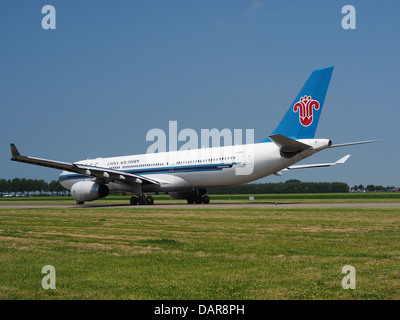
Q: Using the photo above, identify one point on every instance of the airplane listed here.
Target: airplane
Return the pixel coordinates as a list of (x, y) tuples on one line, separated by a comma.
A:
[(186, 174)]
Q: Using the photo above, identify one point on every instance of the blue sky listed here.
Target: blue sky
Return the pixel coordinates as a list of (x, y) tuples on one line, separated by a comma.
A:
[(113, 70)]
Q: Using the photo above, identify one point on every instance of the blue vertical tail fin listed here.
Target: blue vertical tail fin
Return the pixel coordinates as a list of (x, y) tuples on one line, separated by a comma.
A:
[(301, 120)]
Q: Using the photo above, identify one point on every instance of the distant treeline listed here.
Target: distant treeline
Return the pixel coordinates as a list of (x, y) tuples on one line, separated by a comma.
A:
[(296, 186), (32, 186), (29, 186), (290, 186)]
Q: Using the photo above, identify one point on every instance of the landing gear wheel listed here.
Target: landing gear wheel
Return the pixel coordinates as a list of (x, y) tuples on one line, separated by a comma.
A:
[(141, 200), (134, 200), (190, 200), (198, 199), (149, 200), (79, 202), (205, 199)]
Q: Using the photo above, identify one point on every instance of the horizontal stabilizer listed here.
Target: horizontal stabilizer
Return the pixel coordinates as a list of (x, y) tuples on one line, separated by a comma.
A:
[(288, 145), (353, 143), (318, 165), (342, 160)]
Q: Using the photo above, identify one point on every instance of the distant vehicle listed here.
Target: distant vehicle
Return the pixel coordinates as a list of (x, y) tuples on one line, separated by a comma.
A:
[(186, 174)]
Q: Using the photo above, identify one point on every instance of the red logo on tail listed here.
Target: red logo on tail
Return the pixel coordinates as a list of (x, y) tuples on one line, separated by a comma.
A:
[(306, 107)]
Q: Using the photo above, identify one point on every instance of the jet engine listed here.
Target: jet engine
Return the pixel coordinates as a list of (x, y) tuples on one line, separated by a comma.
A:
[(88, 191)]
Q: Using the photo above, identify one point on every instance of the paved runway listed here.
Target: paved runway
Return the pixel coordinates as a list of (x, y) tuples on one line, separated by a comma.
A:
[(215, 205)]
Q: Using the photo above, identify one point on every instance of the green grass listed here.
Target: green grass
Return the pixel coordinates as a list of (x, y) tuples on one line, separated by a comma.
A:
[(199, 253)]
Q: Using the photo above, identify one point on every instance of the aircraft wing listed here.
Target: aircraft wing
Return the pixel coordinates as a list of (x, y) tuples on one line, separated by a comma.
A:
[(340, 161), (104, 174)]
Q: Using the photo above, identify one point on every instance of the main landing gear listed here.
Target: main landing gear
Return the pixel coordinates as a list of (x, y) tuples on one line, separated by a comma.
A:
[(142, 200), (198, 196), (198, 199)]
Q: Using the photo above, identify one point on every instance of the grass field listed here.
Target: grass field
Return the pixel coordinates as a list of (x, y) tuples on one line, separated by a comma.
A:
[(200, 253)]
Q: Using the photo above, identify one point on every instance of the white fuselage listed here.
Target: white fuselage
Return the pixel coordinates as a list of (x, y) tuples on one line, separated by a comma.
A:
[(207, 167)]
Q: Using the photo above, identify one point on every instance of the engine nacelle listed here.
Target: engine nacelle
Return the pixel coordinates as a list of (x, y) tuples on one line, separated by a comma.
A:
[(88, 191)]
